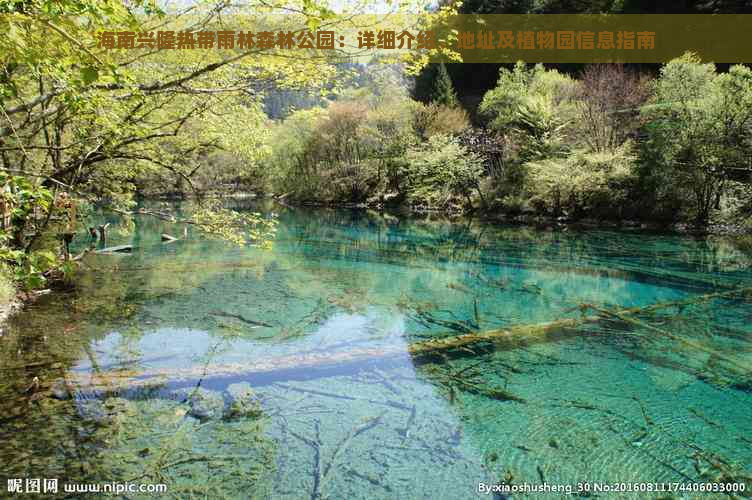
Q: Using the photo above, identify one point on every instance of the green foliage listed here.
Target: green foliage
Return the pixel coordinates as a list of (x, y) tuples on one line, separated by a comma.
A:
[(555, 144), (25, 208), (570, 144), (106, 123), (346, 152), (533, 106), (110, 123), (23, 197), (28, 269), (582, 181), (440, 171), (364, 149), (442, 91), (288, 162), (699, 133)]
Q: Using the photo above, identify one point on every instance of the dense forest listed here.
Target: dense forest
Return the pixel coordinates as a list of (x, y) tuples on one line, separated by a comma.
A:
[(82, 127)]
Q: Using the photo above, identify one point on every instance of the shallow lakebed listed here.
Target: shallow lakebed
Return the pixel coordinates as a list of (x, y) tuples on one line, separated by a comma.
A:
[(329, 367)]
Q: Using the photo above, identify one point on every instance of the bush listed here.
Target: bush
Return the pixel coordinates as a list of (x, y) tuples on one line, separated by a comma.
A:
[(344, 153), (441, 171), (581, 181), (532, 106), (433, 119)]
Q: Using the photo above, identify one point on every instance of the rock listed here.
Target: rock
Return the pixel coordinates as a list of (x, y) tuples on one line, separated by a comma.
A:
[(242, 401), (93, 411), (60, 391), (205, 404)]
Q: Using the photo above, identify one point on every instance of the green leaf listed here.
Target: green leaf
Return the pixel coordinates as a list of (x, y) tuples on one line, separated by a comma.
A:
[(89, 75)]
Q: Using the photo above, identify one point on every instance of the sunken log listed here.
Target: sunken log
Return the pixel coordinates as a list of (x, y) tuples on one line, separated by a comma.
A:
[(116, 249), (326, 362)]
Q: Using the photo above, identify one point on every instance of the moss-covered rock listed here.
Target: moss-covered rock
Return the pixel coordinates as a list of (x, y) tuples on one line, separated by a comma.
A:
[(242, 401), (203, 404)]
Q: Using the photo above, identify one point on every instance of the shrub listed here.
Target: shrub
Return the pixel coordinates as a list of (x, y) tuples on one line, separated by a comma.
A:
[(581, 181), (608, 101), (533, 106), (433, 119), (346, 152), (441, 171)]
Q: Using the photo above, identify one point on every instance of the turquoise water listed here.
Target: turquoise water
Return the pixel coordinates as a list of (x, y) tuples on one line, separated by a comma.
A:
[(299, 371)]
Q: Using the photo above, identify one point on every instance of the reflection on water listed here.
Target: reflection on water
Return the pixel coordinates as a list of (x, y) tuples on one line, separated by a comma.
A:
[(314, 370)]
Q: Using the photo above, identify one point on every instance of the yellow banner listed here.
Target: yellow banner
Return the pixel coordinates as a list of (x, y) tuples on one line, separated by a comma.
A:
[(586, 38)]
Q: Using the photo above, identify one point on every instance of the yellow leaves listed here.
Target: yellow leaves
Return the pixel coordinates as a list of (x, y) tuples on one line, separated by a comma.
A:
[(241, 228), (13, 30), (56, 36), (130, 113)]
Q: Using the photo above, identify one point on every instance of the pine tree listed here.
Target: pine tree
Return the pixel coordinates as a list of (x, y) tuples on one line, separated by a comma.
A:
[(423, 84), (443, 91)]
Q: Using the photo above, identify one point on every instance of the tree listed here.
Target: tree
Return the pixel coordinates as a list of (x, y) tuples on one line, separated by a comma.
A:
[(608, 102), (346, 152), (533, 106), (700, 130), (93, 121), (442, 92)]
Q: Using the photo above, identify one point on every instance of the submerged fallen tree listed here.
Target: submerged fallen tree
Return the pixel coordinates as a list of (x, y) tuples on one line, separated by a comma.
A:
[(321, 363)]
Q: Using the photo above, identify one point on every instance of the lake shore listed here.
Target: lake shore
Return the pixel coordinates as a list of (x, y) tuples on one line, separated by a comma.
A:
[(533, 219)]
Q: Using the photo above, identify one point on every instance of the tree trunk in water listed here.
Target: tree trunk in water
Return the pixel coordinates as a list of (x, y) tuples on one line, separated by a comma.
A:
[(288, 367)]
